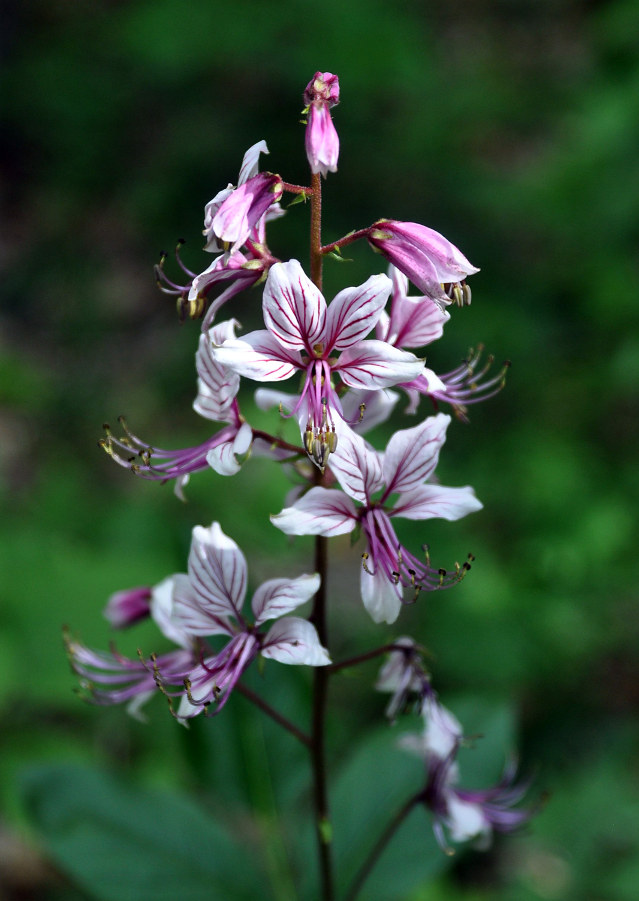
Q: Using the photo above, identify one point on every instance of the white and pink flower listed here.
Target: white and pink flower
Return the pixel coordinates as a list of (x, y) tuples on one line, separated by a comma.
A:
[(305, 335), (321, 138), (369, 480)]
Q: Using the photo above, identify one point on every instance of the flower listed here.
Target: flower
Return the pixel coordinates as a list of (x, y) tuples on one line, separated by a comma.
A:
[(430, 261), (209, 602), (240, 212), (321, 139), (248, 169), (465, 814), (410, 459), (188, 609), (303, 334), (216, 400)]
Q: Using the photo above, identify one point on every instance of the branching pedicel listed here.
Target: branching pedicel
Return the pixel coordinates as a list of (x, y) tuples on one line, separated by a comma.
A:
[(349, 353)]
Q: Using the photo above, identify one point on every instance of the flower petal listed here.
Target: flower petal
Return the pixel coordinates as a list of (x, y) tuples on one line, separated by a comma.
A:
[(376, 364), (227, 458), (411, 454), (279, 596), (217, 571), (322, 511), (294, 640), (294, 308), (437, 502), (357, 467), (381, 597), (250, 162), (257, 356), (217, 385), (191, 615), (353, 313)]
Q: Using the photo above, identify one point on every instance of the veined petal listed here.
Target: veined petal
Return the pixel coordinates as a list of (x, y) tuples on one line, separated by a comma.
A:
[(226, 459), (415, 321), (353, 313), (437, 502), (163, 612), (294, 308), (258, 356), (217, 385), (217, 571), (411, 454), (322, 511), (294, 640), (357, 467), (377, 407), (381, 597), (279, 596), (376, 364), (191, 615)]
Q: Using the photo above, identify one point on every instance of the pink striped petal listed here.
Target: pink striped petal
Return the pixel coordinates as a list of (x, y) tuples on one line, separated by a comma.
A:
[(411, 454), (437, 502), (294, 308), (278, 597), (376, 364), (294, 640), (257, 356), (354, 312), (357, 467), (322, 511), (217, 571)]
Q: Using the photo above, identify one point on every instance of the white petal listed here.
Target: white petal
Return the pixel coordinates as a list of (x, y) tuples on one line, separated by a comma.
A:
[(378, 406), (227, 458), (381, 597), (217, 571), (257, 356), (376, 364), (466, 819), (354, 312), (294, 308), (412, 454), (443, 731), (294, 640), (357, 467), (192, 614), (322, 511), (280, 596), (437, 502), (250, 163), (217, 385), (415, 321), (162, 611)]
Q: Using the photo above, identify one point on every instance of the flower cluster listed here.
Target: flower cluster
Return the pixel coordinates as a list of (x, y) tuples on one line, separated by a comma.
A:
[(350, 357)]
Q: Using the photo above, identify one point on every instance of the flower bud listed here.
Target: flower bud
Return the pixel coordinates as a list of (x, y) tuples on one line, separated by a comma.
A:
[(321, 140)]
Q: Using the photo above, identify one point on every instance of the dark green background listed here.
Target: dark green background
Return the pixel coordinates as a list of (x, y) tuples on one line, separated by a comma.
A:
[(513, 128)]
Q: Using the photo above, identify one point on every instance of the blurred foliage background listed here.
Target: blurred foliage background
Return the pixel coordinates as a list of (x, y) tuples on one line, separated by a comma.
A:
[(512, 127)]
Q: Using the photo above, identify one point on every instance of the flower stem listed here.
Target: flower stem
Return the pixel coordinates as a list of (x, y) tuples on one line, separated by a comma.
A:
[(316, 229), (318, 754), (270, 711), (318, 618), (388, 833), (362, 658)]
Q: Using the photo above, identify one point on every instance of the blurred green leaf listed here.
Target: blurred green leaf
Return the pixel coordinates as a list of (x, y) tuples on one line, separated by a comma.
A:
[(123, 843)]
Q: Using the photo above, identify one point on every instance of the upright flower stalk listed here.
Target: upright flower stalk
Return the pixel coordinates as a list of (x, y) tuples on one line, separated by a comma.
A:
[(351, 356)]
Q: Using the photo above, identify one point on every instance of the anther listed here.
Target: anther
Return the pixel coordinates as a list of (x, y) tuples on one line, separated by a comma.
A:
[(365, 556)]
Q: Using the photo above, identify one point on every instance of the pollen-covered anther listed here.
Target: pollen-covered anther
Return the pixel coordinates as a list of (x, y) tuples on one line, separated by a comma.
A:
[(459, 293), (442, 576)]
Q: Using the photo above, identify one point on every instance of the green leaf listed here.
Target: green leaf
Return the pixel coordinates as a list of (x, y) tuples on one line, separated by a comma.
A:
[(119, 842), (370, 790)]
